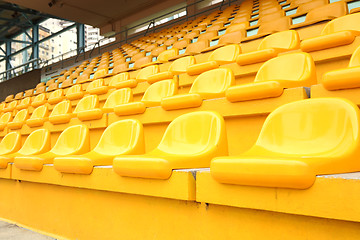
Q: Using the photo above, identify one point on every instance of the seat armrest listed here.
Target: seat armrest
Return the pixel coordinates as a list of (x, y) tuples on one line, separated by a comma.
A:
[(189, 100)]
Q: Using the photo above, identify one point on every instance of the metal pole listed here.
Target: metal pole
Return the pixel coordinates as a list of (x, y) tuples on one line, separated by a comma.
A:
[(35, 44)]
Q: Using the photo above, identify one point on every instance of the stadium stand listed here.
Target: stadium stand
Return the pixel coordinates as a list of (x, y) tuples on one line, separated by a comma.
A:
[(247, 115)]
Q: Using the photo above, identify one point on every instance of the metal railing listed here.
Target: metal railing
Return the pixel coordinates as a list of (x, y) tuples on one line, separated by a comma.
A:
[(21, 69)]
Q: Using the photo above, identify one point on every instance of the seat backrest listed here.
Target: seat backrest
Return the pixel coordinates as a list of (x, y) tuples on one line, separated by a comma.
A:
[(12, 104), (197, 47), (87, 103), (74, 89), (213, 83), (144, 60), (208, 35), (10, 143), (29, 93), (55, 94), (348, 22), (61, 108), (119, 78), (2, 106), (237, 27), (314, 4), (322, 126), (285, 40), (120, 67), (147, 71), (19, 95), (25, 101), (118, 97), (156, 91), (73, 140), (226, 54), (332, 10), (165, 55), (180, 64), (277, 25), (37, 142), (39, 98), (290, 70), (6, 117), (95, 84), (52, 87), (355, 58), (9, 98), (101, 72), (194, 133), (122, 137), (21, 115), (40, 112), (181, 44)]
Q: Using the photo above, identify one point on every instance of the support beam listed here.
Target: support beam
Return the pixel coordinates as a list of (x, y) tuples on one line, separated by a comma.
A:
[(80, 30), (35, 44), (7, 58)]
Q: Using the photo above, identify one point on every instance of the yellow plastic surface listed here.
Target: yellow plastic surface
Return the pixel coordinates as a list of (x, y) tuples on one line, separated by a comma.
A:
[(38, 116), (155, 92), (100, 73), (190, 141), (144, 73), (346, 77), (180, 65), (24, 103), (37, 142), (11, 143), (74, 92), (56, 96), (116, 98), (39, 100), (73, 140), (10, 106), (290, 70), (298, 141), (5, 119), (19, 119), (61, 113), (116, 80), (97, 87), (122, 137), (88, 108), (340, 31)]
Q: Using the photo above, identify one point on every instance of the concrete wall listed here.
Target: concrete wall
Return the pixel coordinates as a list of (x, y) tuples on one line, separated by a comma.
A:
[(20, 83)]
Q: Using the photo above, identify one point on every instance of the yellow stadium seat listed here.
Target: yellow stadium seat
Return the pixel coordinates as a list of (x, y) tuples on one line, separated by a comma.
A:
[(74, 92), (167, 54), (39, 100), (2, 106), (19, 96), (101, 73), (38, 116), (19, 119), (88, 108), (190, 141), (9, 98), (286, 71), (5, 119), (119, 138), (151, 98), (11, 143), (338, 32), (298, 141), (56, 96), (210, 84), (120, 80), (37, 142), (24, 103), (73, 140), (39, 90), (324, 13), (178, 66), (270, 27), (116, 98), (61, 113), (141, 76), (52, 87), (346, 77), (11, 106), (223, 55), (270, 47), (97, 87)]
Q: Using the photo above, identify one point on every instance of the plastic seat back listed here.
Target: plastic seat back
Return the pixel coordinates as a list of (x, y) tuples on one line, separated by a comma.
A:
[(87, 103), (237, 27), (333, 10), (226, 54), (73, 140), (180, 65), (156, 91), (6, 117), (119, 78), (326, 127), (213, 83), (40, 112), (348, 22), (147, 71), (285, 40), (19, 95), (121, 137), (56, 94), (165, 55), (95, 84), (39, 98), (194, 133), (2, 106), (304, 8), (37, 142), (118, 97), (77, 88), (355, 58), (21, 116), (100, 73), (63, 107), (290, 70), (9, 98), (25, 102), (277, 25), (197, 47), (10, 143), (12, 104)]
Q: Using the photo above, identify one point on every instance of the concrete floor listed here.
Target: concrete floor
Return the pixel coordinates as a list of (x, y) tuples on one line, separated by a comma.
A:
[(10, 231)]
